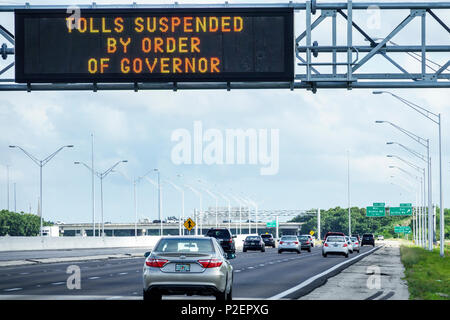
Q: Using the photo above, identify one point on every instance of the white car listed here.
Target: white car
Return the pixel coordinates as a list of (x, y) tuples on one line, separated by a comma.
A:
[(349, 243), (335, 245), (289, 243), (380, 237), (355, 244)]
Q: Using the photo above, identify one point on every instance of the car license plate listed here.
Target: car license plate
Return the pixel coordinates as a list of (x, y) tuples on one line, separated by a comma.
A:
[(335, 245), (182, 267)]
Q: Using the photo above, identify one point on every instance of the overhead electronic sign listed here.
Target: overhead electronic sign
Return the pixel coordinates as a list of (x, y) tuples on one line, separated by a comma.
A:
[(154, 45)]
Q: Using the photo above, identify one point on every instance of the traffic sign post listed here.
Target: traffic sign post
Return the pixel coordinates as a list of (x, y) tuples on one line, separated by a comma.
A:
[(379, 204), (400, 211), (375, 212), (271, 224), (402, 229), (189, 224)]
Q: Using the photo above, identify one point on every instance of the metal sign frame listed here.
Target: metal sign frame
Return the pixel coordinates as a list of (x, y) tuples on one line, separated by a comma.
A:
[(306, 50)]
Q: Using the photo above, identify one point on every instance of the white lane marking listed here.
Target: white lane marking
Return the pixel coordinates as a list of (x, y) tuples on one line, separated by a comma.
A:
[(122, 273), (93, 278), (310, 280), (57, 283), (12, 289), (237, 270), (250, 267), (23, 273), (261, 265)]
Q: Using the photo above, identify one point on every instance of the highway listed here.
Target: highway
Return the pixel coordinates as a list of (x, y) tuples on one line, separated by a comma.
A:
[(257, 276)]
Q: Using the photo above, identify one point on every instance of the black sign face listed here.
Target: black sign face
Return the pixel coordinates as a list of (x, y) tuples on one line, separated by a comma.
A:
[(154, 45)]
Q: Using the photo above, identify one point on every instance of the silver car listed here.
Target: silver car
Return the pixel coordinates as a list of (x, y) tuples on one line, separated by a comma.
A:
[(289, 243), (355, 244), (192, 265), (335, 245), (349, 243)]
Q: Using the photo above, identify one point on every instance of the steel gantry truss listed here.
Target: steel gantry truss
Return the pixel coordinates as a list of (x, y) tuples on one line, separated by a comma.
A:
[(345, 73)]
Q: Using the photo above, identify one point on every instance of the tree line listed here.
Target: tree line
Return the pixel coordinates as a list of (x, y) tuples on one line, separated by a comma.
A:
[(20, 224), (336, 219)]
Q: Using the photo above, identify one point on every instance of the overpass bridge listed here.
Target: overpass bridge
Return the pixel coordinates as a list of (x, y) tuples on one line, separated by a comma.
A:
[(143, 229)]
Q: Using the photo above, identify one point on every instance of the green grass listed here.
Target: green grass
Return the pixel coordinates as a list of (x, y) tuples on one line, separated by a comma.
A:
[(427, 274)]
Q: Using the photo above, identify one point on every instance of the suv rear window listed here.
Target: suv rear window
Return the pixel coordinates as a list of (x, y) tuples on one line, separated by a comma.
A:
[(252, 238), (220, 234), (266, 236), (368, 236)]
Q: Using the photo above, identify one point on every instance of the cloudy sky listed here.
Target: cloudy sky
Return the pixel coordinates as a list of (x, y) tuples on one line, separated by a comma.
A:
[(315, 133)]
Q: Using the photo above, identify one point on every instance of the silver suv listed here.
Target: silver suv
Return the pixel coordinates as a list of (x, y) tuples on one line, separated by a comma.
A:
[(191, 265)]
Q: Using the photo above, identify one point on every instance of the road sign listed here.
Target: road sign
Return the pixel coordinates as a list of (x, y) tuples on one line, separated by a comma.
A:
[(311, 232), (405, 204), (379, 204), (189, 224), (400, 211), (154, 45), (402, 229), (375, 212), (271, 224)]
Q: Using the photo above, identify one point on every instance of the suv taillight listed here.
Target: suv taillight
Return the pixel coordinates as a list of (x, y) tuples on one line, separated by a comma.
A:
[(325, 244), (295, 242), (156, 263), (230, 241), (281, 242), (210, 263), (344, 245)]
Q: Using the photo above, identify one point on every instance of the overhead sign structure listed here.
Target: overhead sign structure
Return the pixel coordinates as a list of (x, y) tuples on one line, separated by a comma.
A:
[(400, 211), (154, 45), (375, 212), (402, 229), (189, 224)]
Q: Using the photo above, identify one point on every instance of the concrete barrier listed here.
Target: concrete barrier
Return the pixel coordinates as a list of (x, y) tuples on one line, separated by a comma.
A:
[(53, 243), (11, 243)]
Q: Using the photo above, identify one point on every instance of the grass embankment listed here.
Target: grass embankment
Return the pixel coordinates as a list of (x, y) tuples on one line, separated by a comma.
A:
[(427, 274)]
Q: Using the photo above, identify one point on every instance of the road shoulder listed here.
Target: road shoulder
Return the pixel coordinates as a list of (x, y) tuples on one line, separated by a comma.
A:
[(379, 276)]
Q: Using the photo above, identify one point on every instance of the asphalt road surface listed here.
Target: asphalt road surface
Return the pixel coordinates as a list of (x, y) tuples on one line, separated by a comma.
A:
[(257, 276)]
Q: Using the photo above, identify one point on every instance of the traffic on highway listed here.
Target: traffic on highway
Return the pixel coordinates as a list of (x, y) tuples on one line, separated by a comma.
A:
[(186, 267)]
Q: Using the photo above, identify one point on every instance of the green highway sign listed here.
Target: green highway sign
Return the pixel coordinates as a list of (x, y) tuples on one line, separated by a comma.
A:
[(402, 229), (271, 224), (375, 212), (379, 204), (405, 204), (400, 211)]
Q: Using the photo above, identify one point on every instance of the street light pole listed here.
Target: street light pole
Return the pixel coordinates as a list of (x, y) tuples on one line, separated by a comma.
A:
[(159, 203), (41, 163), (437, 120), (425, 143), (348, 193), (101, 176)]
